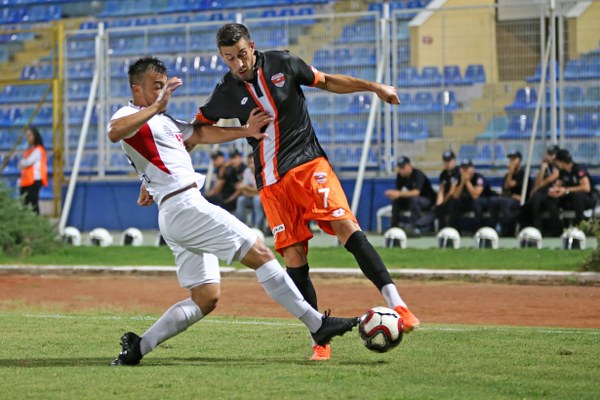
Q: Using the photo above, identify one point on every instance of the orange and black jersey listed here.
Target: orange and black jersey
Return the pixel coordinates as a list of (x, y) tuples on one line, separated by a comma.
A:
[(276, 89)]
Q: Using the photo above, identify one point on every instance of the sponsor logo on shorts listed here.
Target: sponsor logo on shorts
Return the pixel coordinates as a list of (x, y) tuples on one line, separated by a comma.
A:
[(338, 213), (320, 177), (277, 229)]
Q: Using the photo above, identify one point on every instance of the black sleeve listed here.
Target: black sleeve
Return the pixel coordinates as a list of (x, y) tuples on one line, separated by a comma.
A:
[(213, 109), (419, 181), (302, 72)]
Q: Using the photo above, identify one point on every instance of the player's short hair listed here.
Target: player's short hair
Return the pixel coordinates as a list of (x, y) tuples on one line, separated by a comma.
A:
[(230, 34), (143, 65)]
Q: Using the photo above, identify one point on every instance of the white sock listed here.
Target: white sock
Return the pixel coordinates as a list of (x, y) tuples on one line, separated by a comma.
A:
[(280, 287), (174, 321), (391, 295)]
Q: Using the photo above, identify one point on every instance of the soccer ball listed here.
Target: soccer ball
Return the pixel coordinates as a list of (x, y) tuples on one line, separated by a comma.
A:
[(381, 329)]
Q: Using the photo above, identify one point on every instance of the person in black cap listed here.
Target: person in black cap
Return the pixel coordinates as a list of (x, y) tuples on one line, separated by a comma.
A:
[(449, 179), (533, 211), (508, 203), (573, 191), (413, 193), (472, 194)]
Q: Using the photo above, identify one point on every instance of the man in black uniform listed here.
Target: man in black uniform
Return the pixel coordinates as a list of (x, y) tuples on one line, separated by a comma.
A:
[(295, 180), (573, 190), (449, 179), (508, 203), (533, 210), (472, 194), (413, 193)]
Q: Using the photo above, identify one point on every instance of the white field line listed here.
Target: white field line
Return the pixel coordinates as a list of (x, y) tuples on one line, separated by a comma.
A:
[(217, 320)]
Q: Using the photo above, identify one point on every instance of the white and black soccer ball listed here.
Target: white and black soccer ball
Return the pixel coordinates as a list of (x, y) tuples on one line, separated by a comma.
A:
[(381, 329)]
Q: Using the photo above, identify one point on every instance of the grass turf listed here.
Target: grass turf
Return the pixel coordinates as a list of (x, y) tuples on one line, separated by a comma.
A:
[(67, 356), (324, 257)]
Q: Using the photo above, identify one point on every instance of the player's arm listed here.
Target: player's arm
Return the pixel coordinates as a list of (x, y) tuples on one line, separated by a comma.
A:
[(127, 126), (211, 134), (337, 83), (583, 187), (145, 199), (474, 191)]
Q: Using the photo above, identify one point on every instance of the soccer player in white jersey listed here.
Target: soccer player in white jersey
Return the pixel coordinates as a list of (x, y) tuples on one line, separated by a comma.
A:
[(197, 232)]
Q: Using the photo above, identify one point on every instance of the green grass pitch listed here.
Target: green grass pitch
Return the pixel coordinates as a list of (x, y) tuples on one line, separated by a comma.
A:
[(67, 356)]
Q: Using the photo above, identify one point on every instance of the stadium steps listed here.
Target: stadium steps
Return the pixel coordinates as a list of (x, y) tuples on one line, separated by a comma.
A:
[(471, 122)]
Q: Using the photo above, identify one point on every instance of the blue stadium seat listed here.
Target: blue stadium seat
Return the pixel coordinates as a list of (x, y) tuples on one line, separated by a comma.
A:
[(591, 123), (360, 104), (525, 99), (322, 57), (474, 74), (430, 76), (413, 129), (408, 77), (579, 69), (406, 103), (445, 101), (588, 152), (452, 75), (467, 150), (423, 102), (342, 56), (592, 96), (364, 56), (573, 96), (537, 76), (573, 125), (319, 105)]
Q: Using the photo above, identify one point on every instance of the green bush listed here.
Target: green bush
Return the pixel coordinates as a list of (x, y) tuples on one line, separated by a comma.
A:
[(592, 227), (22, 232)]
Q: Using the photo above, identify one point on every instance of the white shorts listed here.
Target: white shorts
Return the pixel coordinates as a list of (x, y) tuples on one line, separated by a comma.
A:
[(197, 231)]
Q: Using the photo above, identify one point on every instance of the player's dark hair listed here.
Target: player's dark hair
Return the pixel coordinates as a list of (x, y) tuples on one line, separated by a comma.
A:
[(230, 34), (143, 65), (37, 137)]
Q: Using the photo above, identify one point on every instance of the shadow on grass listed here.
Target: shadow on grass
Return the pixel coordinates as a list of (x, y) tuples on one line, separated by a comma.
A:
[(176, 361)]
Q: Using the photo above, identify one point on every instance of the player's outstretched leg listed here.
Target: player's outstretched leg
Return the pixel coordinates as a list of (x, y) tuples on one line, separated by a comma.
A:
[(130, 350), (373, 267), (331, 327)]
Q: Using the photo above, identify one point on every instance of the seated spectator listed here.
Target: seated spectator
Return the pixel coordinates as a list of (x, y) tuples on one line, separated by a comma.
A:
[(472, 194), (449, 179), (573, 189), (413, 193), (248, 198), (213, 195), (533, 211), (504, 209), (229, 173)]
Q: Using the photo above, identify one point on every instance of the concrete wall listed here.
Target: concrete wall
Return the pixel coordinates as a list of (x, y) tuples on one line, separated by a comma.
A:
[(584, 33), (456, 37)]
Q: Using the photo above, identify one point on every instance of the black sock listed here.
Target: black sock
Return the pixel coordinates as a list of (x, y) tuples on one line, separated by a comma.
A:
[(304, 284), (368, 259)]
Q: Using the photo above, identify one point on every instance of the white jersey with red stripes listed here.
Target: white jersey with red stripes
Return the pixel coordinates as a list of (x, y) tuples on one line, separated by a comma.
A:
[(157, 152)]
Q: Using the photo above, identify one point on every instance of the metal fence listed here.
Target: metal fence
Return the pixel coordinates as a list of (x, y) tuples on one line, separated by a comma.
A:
[(468, 79)]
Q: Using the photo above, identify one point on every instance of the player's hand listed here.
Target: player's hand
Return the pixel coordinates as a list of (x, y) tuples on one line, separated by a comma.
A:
[(388, 94), (256, 122), (145, 199), (165, 94)]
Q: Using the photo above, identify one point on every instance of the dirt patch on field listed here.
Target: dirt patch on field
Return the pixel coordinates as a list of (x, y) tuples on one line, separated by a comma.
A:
[(433, 302)]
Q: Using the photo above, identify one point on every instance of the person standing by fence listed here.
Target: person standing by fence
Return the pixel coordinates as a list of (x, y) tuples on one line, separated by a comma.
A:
[(34, 169)]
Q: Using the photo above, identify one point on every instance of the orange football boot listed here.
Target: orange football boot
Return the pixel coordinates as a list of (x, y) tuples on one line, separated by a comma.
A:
[(411, 322)]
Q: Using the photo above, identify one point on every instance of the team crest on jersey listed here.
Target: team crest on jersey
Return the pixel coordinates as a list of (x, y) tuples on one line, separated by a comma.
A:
[(278, 79)]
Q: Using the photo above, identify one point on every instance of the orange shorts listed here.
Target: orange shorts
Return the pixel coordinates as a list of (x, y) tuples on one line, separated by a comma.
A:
[(308, 192)]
